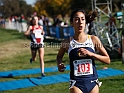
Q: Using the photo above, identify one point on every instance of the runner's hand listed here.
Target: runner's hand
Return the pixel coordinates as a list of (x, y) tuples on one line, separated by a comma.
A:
[(61, 67)]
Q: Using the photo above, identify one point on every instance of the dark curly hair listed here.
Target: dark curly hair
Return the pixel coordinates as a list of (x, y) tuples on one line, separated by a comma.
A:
[(33, 21), (74, 12), (89, 17)]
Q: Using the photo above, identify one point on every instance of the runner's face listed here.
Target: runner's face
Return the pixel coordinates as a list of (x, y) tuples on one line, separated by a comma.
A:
[(36, 20), (79, 22)]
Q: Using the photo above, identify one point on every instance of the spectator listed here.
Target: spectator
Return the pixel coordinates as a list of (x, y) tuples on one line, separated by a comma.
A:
[(40, 21), (56, 21), (111, 23)]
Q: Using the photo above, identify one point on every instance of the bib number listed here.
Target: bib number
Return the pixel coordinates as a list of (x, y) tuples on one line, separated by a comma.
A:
[(38, 34), (83, 67)]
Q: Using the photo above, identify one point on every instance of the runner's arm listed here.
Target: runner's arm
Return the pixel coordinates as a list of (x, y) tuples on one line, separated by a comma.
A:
[(28, 31), (103, 56), (59, 57)]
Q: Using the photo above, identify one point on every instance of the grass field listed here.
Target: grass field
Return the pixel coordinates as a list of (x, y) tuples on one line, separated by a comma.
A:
[(15, 55)]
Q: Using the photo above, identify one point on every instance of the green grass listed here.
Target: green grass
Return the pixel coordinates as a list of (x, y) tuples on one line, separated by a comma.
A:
[(14, 55)]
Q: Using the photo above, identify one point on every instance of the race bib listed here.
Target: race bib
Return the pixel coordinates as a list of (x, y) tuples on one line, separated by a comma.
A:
[(38, 34), (83, 67)]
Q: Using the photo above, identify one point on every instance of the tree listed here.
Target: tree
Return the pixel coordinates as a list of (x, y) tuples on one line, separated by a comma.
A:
[(86, 4), (9, 8), (15, 7), (63, 7), (25, 9), (53, 7)]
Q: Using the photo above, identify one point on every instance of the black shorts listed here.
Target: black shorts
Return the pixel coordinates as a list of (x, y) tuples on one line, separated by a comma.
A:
[(35, 46)]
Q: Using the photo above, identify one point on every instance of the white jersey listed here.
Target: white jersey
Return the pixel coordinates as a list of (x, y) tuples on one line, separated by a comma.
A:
[(37, 37), (74, 44)]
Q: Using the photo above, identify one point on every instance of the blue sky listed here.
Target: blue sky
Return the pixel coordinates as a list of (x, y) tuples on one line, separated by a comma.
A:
[(30, 1)]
